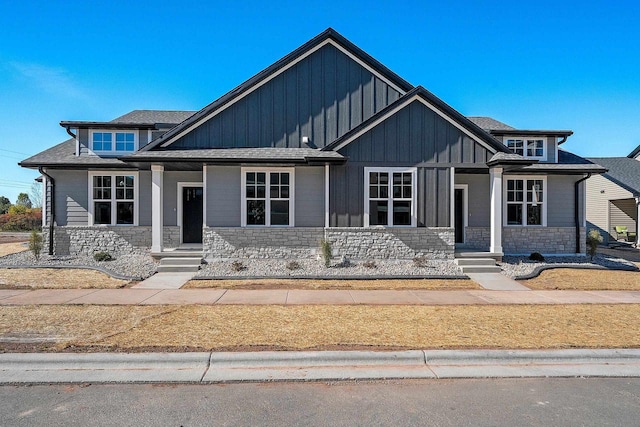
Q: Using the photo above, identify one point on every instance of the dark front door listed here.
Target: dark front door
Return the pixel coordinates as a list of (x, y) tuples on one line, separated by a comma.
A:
[(192, 215), (459, 215)]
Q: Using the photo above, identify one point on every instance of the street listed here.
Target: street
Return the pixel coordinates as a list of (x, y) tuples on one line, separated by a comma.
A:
[(491, 402)]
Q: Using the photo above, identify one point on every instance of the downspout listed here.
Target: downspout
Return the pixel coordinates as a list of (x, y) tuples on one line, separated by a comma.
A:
[(71, 134), (52, 206), (576, 209)]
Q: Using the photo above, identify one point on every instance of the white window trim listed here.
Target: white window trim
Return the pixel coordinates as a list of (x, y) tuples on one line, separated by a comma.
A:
[(136, 198), (545, 199), (243, 190), (414, 192), (525, 139), (179, 198), (113, 152)]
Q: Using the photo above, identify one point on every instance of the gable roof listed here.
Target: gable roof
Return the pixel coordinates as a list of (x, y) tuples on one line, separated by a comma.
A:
[(154, 116), (329, 36), (435, 104), (634, 153), (622, 170)]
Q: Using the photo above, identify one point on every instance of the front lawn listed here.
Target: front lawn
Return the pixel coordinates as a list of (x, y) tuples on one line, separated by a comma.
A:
[(588, 280), (52, 278), (245, 328)]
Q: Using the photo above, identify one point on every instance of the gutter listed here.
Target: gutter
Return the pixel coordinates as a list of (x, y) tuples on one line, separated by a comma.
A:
[(52, 205), (576, 208)]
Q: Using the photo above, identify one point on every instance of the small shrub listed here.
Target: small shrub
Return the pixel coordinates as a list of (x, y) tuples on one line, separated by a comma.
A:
[(593, 240), (293, 265), (536, 256), (237, 266), (421, 262), (35, 244), (102, 256), (369, 264), (327, 254)]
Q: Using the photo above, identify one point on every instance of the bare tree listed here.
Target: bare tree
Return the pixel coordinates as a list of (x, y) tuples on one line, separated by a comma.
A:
[(35, 195)]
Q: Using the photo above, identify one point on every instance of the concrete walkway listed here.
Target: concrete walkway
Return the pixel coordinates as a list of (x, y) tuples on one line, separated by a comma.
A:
[(164, 281), (301, 297), (496, 282), (25, 368)]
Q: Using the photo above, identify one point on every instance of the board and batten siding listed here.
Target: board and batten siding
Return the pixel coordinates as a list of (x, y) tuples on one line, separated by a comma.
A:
[(414, 136), (224, 196), (600, 191), (323, 97)]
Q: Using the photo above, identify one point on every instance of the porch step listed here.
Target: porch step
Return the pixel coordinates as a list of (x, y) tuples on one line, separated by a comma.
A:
[(478, 265), (474, 254), (475, 261), (180, 264)]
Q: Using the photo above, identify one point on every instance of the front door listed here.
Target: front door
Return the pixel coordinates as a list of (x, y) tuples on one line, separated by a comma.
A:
[(459, 214), (192, 215)]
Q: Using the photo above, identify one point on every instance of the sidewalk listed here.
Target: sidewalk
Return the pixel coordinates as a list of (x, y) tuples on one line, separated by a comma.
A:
[(301, 297), (29, 368)]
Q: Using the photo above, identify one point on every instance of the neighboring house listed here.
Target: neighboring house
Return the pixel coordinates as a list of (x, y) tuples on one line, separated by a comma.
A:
[(613, 199), (325, 143)]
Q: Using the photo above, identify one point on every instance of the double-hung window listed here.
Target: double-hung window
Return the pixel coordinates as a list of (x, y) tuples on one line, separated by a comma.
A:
[(531, 148), (525, 201), (112, 198), (390, 197), (267, 197), (113, 142)]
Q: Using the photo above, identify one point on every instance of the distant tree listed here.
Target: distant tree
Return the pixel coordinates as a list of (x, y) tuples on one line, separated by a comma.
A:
[(36, 195), (24, 200), (4, 205)]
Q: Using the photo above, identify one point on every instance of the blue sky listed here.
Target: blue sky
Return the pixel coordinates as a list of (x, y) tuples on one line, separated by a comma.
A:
[(534, 65)]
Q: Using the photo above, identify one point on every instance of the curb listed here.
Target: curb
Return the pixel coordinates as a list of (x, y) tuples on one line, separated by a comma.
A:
[(536, 271), (224, 367)]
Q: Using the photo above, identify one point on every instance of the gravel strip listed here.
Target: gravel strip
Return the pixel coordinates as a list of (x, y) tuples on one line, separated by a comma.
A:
[(277, 268), (518, 267), (132, 266)]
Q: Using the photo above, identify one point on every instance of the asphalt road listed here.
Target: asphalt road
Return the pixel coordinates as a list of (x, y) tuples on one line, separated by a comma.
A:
[(497, 402)]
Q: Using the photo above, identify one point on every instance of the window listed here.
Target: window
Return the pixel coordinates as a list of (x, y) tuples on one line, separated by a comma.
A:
[(527, 147), (390, 197), (525, 201), (267, 197), (113, 198), (114, 142)]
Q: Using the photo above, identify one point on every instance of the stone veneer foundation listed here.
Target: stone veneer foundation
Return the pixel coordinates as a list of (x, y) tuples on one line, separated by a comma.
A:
[(351, 242), (114, 240), (525, 240)]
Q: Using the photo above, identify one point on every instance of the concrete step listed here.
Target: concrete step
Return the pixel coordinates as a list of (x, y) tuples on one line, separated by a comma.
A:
[(179, 253), (481, 269), (181, 261), (475, 261), (475, 254), (178, 268)]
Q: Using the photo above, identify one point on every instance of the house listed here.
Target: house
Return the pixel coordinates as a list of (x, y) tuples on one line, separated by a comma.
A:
[(613, 199), (325, 143)]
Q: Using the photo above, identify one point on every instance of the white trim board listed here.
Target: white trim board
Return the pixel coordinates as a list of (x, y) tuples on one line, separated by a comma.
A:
[(243, 195), (390, 198), (267, 79), (465, 210), (113, 200)]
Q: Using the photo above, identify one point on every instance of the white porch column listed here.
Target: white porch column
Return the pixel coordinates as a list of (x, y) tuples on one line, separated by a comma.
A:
[(157, 220), (495, 184)]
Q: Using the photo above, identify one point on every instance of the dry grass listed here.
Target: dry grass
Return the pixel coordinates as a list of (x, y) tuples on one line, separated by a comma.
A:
[(51, 278), (566, 278), (12, 248), (323, 327), (439, 284)]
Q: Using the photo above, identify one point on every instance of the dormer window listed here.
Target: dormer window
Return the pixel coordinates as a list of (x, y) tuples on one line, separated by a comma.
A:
[(530, 148), (113, 142)]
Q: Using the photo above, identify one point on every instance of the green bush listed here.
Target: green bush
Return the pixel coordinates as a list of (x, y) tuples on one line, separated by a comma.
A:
[(21, 219), (327, 253), (102, 256), (593, 240), (35, 244)]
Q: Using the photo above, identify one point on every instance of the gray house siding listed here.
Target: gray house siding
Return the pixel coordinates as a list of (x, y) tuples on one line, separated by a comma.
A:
[(71, 189), (170, 196), (144, 198), (309, 197), (622, 212), (322, 97), (560, 201), (478, 195), (223, 196), (414, 136)]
